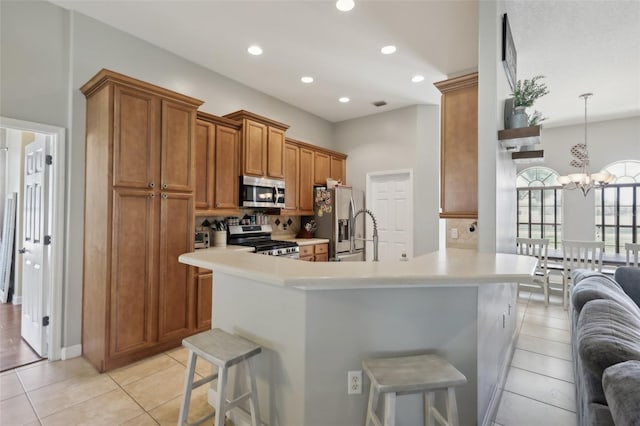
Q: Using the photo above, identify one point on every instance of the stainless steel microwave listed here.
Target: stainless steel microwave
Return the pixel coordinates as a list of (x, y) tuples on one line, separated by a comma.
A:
[(261, 192)]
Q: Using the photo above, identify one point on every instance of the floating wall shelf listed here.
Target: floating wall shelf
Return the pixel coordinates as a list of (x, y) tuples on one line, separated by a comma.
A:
[(512, 139), (528, 157)]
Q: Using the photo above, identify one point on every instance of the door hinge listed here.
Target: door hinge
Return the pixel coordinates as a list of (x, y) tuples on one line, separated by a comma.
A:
[(45, 321), (47, 240), (49, 160)]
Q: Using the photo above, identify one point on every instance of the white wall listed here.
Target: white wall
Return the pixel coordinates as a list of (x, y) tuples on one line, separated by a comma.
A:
[(406, 138), (496, 170), (609, 141), (3, 175), (48, 53)]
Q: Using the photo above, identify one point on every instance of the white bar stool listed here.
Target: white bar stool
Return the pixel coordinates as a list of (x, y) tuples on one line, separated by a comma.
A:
[(222, 350), (425, 374)]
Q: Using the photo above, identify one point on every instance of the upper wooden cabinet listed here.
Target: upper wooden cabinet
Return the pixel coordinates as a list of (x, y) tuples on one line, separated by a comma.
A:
[(305, 184), (329, 164), (139, 208), (301, 163), (291, 175), (321, 167), (217, 159), (459, 147), (262, 145), (338, 168)]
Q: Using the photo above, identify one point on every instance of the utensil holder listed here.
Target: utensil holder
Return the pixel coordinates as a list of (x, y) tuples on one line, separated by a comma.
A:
[(220, 238)]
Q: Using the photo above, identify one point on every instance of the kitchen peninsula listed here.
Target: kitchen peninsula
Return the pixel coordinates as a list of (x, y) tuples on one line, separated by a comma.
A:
[(317, 321)]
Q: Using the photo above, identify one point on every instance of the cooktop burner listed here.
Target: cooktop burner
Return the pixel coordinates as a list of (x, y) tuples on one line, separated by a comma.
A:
[(259, 237)]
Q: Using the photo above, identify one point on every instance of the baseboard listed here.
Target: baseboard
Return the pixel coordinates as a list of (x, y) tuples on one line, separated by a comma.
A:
[(71, 352), (16, 300), (492, 409)]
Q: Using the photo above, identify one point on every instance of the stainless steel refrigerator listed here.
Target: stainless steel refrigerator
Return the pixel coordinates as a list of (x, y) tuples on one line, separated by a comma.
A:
[(334, 210)]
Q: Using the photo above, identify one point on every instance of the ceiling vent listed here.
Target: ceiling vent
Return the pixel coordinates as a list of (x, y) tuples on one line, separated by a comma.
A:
[(379, 103)]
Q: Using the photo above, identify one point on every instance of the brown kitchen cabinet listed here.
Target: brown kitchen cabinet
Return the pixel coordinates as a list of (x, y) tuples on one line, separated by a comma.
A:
[(459, 147), (338, 169), (315, 252), (328, 164), (217, 165), (262, 145), (139, 209), (301, 175), (321, 167), (203, 291), (291, 176), (305, 190)]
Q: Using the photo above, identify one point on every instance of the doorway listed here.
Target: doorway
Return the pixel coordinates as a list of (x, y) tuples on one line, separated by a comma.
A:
[(390, 198), (16, 136)]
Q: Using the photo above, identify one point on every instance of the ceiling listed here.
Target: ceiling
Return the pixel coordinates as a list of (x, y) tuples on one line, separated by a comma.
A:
[(579, 46)]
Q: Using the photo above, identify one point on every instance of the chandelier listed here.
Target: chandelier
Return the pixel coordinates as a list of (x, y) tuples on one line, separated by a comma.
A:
[(584, 180)]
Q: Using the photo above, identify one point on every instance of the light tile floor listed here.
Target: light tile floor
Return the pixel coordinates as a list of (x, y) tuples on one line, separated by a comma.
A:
[(148, 392), (540, 389)]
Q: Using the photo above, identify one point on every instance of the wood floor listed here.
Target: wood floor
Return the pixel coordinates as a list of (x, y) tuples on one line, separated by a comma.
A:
[(14, 351)]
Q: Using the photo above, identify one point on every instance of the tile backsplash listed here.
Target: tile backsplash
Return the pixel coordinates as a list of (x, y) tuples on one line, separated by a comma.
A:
[(282, 225), (467, 239)]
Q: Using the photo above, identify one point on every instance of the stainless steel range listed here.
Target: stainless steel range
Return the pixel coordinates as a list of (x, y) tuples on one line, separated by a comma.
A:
[(259, 237)]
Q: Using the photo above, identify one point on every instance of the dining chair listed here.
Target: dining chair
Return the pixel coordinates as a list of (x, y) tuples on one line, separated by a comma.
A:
[(536, 247), (579, 255), (633, 254)]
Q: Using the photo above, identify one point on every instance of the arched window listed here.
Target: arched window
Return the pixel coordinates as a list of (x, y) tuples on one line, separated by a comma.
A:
[(540, 205), (617, 207)]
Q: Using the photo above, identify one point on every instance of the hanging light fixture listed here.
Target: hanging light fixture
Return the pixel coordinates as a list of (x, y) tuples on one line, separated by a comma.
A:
[(584, 180)]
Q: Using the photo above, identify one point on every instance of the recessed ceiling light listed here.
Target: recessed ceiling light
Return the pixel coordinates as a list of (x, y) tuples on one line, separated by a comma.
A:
[(344, 5), (417, 78), (307, 79), (255, 50), (344, 99), (388, 50)]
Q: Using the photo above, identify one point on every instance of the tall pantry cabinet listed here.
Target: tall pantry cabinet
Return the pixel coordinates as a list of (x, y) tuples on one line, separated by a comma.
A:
[(139, 207)]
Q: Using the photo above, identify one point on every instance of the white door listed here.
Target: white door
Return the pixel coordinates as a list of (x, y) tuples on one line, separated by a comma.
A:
[(34, 246), (390, 198)]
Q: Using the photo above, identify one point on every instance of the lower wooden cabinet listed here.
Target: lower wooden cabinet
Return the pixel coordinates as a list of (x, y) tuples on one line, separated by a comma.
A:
[(315, 252), (203, 285)]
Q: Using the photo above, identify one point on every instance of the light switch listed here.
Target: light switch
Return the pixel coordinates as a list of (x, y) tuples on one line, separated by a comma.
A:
[(454, 233)]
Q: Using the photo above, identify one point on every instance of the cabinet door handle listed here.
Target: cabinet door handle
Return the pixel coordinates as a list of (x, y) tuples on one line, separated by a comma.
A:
[(218, 204), (152, 195), (23, 250), (152, 185), (164, 186), (164, 196)]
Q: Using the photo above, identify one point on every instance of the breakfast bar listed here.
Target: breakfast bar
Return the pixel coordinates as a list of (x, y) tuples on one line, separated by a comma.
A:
[(318, 321)]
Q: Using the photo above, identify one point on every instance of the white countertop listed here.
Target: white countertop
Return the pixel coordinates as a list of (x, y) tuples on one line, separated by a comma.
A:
[(441, 268)]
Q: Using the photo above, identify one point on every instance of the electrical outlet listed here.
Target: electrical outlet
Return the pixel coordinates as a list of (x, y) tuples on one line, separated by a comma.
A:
[(354, 382), (454, 233)]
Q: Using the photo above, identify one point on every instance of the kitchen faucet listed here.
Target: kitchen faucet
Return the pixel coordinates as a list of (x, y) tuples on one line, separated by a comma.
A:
[(375, 232)]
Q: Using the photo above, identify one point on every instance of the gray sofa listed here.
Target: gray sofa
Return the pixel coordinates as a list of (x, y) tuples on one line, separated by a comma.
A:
[(605, 325)]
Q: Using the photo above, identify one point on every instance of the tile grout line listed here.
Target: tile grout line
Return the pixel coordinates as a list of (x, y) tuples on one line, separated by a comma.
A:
[(72, 405), (537, 400), (539, 353), (541, 374)]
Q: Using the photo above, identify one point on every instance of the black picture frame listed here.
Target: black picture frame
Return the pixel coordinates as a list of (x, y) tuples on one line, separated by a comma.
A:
[(509, 54)]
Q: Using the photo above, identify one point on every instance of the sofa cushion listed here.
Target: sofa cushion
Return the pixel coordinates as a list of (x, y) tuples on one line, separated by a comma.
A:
[(599, 286), (621, 383), (607, 333), (629, 279)]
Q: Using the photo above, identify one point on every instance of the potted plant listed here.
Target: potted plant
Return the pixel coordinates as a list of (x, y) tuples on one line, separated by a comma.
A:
[(525, 93)]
